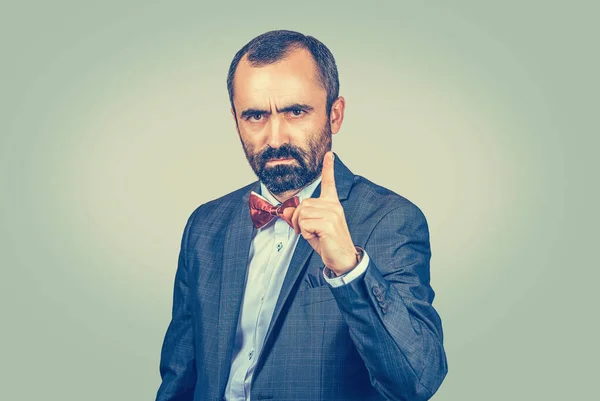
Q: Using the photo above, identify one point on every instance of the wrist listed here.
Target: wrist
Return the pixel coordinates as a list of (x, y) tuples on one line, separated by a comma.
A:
[(358, 255)]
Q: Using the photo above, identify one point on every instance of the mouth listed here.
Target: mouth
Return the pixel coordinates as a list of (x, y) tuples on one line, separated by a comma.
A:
[(282, 160)]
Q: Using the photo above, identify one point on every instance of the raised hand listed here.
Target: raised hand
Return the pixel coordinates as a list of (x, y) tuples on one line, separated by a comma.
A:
[(322, 222)]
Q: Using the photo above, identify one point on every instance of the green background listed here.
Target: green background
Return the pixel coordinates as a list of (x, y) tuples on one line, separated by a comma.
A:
[(115, 126)]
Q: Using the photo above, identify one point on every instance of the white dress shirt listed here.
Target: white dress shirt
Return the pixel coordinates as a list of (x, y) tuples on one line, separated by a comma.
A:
[(270, 254)]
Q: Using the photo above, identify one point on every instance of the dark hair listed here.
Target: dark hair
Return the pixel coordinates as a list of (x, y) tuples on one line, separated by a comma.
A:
[(273, 46)]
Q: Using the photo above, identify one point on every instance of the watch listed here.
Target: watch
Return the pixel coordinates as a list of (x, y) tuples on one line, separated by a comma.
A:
[(359, 254)]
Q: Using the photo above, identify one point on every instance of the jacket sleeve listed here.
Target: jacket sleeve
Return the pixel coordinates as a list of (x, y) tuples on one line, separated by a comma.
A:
[(177, 362), (389, 311)]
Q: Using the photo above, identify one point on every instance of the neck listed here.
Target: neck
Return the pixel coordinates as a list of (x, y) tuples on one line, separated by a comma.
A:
[(282, 197)]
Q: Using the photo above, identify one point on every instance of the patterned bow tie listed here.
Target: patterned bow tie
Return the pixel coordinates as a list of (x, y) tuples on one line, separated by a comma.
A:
[(263, 212)]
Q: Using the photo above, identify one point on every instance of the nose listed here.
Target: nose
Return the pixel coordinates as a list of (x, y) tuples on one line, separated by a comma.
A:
[(275, 133)]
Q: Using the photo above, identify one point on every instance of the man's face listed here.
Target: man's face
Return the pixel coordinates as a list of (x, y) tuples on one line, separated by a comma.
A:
[(281, 120)]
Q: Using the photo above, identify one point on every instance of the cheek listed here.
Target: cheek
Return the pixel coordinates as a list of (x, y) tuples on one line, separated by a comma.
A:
[(248, 140), (302, 132), (252, 138)]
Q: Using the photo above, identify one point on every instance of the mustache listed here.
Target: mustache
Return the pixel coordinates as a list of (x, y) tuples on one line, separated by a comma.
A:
[(283, 152)]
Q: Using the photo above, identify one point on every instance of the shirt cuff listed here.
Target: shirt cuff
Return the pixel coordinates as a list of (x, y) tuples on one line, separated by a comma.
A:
[(349, 276)]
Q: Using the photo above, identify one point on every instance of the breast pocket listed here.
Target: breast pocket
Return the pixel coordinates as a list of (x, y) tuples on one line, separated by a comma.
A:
[(314, 295)]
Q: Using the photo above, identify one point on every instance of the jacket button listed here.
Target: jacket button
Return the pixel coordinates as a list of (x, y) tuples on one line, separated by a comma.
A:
[(376, 290)]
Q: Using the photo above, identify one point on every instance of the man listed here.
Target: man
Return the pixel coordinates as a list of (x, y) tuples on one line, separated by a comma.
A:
[(311, 283)]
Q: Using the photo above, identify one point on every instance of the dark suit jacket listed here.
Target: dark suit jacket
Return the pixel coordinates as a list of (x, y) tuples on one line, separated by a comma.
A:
[(375, 338)]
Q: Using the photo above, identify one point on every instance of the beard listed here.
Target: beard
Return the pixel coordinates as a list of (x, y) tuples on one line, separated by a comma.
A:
[(283, 177)]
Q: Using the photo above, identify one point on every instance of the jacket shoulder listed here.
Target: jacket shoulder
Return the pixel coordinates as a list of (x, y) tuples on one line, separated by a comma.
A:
[(223, 205), (374, 196)]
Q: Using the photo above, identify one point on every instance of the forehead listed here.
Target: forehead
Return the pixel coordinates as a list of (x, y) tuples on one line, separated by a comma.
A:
[(293, 78)]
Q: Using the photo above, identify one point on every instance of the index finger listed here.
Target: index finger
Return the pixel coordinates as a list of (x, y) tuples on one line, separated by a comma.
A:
[(328, 190)]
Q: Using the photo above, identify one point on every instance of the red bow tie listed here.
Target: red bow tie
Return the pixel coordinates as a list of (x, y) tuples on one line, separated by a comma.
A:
[(263, 212)]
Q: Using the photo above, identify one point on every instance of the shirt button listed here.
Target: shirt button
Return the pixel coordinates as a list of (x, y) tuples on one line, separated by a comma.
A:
[(279, 246), (250, 354)]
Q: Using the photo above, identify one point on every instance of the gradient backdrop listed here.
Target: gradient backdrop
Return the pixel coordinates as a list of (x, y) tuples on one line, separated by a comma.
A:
[(115, 126)]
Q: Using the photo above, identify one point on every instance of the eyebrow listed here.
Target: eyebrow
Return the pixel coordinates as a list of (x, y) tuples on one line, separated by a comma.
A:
[(296, 106)]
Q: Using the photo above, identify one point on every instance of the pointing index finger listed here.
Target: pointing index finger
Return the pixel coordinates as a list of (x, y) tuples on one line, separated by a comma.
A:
[(328, 190)]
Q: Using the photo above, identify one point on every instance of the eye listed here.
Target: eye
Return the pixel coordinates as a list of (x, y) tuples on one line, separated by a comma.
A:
[(297, 112), (255, 117)]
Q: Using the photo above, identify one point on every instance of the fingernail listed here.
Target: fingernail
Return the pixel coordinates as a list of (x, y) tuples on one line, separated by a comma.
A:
[(332, 156)]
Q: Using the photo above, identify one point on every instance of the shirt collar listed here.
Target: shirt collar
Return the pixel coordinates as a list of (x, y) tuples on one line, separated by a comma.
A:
[(306, 192)]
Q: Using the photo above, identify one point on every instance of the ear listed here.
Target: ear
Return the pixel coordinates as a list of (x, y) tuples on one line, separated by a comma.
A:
[(235, 119), (336, 117)]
